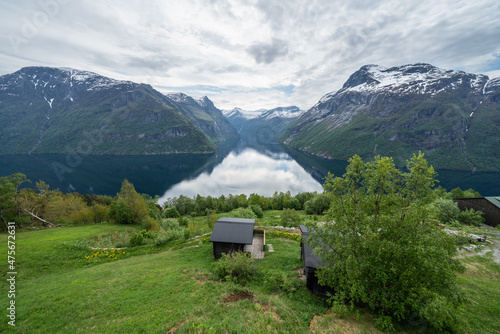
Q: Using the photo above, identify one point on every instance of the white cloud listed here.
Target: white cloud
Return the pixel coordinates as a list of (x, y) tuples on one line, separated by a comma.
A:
[(248, 49)]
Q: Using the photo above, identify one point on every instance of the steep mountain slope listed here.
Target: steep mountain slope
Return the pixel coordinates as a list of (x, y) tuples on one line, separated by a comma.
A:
[(63, 110), (452, 116), (264, 126), (206, 117)]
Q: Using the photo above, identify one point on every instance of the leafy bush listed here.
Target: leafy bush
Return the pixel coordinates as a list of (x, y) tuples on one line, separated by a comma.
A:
[(170, 224), (292, 203), (182, 221), (290, 218), (243, 213), (150, 224), (257, 210), (279, 281), (137, 239), (171, 212), (317, 205), (471, 217), (447, 210), (120, 212), (237, 267), (135, 202)]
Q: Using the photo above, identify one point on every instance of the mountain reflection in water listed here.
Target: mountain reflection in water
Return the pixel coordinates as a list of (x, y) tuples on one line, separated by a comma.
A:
[(246, 172)]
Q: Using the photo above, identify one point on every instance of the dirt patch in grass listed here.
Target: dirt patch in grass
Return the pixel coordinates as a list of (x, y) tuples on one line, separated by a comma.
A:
[(241, 295), (333, 323), (267, 309)]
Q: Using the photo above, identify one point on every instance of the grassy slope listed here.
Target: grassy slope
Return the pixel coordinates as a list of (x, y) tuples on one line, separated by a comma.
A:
[(136, 127), (363, 135), (153, 289)]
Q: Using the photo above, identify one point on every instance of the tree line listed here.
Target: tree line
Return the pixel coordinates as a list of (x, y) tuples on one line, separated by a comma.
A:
[(43, 206)]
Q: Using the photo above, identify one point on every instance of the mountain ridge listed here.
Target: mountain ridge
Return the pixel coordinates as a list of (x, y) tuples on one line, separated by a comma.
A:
[(52, 110), (452, 116)]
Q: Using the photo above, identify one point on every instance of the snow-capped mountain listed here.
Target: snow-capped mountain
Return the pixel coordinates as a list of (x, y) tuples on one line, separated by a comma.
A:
[(262, 125), (452, 116), (63, 110)]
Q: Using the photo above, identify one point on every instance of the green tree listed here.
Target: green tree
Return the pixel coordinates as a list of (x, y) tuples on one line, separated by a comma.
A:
[(9, 205), (136, 204), (317, 205), (257, 210), (290, 218), (380, 248), (120, 212)]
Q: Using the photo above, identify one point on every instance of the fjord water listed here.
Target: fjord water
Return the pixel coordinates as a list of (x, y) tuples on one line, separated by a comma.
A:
[(241, 170)]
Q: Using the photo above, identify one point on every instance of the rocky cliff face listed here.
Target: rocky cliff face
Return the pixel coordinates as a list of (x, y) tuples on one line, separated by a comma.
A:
[(206, 117), (60, 110), (452, 116)]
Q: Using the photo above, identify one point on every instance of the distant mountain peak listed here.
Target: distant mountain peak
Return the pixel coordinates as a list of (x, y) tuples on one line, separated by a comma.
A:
[(406, 79), (205, 102), (450, 115), (179, 97), (280, 112)]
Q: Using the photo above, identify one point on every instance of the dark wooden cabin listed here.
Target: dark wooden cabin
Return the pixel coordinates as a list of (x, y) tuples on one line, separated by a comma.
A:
[(311, 264), (490, 206), (231, 235)]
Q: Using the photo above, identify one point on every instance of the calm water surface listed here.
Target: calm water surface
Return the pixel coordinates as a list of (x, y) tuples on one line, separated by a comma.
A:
[(242, 170)]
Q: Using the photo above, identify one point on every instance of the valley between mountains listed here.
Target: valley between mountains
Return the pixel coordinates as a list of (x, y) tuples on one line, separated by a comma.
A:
[(451, 116)]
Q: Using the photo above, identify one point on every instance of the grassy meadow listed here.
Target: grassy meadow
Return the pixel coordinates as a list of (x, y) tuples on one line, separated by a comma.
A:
[(68, 282)]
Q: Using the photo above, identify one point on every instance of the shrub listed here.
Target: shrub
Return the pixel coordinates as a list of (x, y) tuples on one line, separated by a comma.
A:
[(137, 239), (257, 210), (278, 281), (471, 217), (317, 205), (292, 203), (447, 210), (120, 212), (243, 213), (290, 218), (135, 202), (171, 212), (150, 224), (182, 221), (237, 267)]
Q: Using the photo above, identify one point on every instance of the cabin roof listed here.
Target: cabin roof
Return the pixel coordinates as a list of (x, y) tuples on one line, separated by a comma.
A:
[(495, 200), (233, 230)]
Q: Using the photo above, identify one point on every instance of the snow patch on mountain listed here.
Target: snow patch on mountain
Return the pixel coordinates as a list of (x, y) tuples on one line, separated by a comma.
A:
[(408, 79), (280, 112), (246, 114), (179, 97)]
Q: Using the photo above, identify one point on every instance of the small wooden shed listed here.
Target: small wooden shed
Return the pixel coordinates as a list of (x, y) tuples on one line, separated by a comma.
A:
[(490, 206), (231, 235), (311, 263)]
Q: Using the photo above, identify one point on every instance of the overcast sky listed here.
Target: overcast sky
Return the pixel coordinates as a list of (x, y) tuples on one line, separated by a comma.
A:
[(250, 54)]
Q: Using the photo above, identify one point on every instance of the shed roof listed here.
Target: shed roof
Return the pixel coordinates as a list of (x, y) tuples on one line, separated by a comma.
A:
[(311, 260), (233, 230), (495, 200)]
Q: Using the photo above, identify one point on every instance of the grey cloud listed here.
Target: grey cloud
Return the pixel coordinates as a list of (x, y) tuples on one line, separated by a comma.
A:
[(268, 53)]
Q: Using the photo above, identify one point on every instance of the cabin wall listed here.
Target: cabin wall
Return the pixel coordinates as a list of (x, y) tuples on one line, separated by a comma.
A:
[(224, 247), (491, 212)]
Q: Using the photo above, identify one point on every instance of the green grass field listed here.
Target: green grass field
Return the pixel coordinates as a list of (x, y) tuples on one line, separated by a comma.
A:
[(63, 286)]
